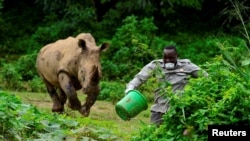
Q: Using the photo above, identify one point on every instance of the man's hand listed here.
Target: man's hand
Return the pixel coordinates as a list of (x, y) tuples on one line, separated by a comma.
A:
[(199, 73), (127, 90), (202, 73)]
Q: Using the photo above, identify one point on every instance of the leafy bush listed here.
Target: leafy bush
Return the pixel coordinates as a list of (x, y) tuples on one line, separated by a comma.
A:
[(19, 121), (35, 85), (16, 73), (25, 66), (201, 49), (111, 91), (220, 99), (11, 79), (132, 47), (237, 58), (43, 35)]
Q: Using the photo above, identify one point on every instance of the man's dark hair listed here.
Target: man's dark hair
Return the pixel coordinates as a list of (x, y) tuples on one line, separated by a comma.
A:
[(171, 47)]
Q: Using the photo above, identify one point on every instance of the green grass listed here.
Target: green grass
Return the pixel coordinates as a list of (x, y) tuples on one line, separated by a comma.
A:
[(102, 113)]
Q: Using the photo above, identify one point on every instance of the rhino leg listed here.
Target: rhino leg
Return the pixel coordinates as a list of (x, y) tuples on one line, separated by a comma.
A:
[(62, 96), (57, 105), (90, 100), (69, 90)]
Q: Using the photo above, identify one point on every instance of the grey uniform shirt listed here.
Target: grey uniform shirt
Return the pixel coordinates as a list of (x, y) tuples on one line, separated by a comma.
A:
[(178, 78)]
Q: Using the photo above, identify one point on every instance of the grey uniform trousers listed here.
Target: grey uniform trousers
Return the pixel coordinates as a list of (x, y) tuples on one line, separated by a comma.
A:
[(156, 118)]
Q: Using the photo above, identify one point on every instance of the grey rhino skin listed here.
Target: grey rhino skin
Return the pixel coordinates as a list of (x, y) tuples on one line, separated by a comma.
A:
[(68, 65)]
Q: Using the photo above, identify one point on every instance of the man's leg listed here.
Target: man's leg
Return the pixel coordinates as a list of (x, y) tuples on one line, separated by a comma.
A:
[(156, 118)]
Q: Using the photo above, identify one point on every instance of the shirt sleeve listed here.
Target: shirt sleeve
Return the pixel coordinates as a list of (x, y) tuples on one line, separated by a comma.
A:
[(141, 77), (196, 71)]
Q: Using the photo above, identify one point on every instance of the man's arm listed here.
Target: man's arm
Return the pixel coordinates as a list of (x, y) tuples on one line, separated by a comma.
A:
[(140, 77), (199, 73)]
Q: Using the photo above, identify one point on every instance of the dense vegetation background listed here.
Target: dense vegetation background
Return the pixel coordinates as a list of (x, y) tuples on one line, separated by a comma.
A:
[(211, 33)]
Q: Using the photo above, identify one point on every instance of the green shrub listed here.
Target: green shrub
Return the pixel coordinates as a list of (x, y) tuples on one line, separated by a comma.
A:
[(22, 74), (36, 85), (48, 34), (25, 66), (19, 121), (132, 47), (111, 91), (220, 99), (11, 79)]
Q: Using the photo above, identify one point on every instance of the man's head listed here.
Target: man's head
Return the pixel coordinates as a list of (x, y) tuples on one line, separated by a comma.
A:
[(170, 57)]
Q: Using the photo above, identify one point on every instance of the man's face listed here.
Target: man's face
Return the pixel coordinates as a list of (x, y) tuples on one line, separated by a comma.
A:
[(170, 56)]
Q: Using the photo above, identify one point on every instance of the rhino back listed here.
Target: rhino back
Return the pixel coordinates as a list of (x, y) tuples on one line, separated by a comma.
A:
[(59, 56)]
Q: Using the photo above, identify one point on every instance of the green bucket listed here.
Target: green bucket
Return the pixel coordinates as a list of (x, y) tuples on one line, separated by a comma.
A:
[(131, 105)]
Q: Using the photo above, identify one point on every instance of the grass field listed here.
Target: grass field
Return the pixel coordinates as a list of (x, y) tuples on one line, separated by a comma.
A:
[(101, 111)]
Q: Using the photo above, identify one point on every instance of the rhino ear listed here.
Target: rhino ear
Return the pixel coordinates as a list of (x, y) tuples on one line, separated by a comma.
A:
[(82, 43), (104, 46)]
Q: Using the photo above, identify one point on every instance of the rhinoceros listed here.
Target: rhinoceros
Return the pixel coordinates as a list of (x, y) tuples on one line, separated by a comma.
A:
[(68, 65)]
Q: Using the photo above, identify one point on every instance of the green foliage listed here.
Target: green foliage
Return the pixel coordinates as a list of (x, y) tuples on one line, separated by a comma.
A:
[(114, 91), (21, 45), (35, 85), (111, 91), (148, 88), (10, 77), (114, 17), (196, 48), (73, 17), (14, 114), (132, 47), (20, 121), (237, 59), (49, 21), (96, 130), (138, 32), (196, 4), (25, 66), (237, 11), (43, 35), (23, 71), (219, 99), (202, 49), (1, 5), (17, 25), (3, 26), (237, 56), (76, 14)]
